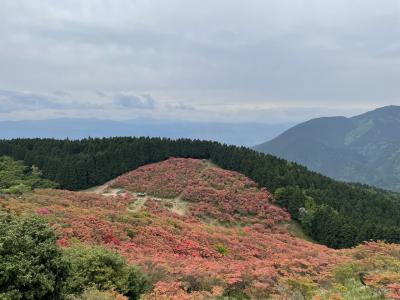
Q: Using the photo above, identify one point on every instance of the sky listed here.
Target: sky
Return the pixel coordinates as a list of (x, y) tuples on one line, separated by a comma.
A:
[(265, 61)]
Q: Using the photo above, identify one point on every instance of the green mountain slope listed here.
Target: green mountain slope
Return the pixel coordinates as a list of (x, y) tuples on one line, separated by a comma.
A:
[(364, 148)]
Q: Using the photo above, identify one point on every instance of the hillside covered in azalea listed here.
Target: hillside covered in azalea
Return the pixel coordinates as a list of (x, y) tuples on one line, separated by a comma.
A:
[(338, 214), (200, 232)]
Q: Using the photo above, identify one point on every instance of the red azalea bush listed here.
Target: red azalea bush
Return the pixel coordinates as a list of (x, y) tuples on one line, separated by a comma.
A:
[(167, 179), (187, 257), (226, 196)]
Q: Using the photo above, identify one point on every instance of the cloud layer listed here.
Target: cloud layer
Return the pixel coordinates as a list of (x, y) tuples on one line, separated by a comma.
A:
[(210, 59)]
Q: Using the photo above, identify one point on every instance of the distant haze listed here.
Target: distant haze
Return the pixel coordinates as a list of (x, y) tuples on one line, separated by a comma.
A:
[(245, 134)]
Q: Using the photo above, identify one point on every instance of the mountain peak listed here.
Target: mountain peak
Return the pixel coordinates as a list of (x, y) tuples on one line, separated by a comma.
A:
[(385, 111), (362, 148), (389, 107)]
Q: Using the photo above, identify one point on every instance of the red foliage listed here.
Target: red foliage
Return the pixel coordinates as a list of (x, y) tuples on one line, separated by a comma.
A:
[(167, 179), (43, 211), (251, 251), (394, 291), (226, 196)]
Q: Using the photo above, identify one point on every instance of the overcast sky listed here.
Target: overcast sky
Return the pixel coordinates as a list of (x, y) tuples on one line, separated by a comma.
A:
[(210, 60)]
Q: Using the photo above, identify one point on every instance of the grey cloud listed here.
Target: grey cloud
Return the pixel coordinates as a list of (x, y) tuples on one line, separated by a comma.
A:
[(13, 100), (100, 94), (25, 98), (134, 101), (61, 93), (301, 53), (180, 107), (100, 35)]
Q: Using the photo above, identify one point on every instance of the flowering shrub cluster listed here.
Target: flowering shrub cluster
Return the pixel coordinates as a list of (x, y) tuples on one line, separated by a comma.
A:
[(167, 179), (188, 258), (225, 196), (231, 198)]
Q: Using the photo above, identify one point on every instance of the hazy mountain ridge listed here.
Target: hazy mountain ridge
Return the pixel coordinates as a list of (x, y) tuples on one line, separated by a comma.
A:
[(245, 134), (364, 148)]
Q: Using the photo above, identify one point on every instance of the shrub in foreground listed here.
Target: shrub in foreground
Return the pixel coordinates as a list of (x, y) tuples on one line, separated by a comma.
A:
[(31, 264), (105, 270)]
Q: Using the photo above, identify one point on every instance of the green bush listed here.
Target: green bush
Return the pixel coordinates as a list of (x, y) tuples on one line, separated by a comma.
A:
[(15, 178), (105, 270), (94, 294), (293, 199), (351, 289), (18, 189), (31, 264), (222, 249), (300, 288)]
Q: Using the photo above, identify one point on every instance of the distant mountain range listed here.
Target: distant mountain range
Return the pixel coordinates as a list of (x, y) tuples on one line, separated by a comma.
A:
[(364, 148), (242, 134)]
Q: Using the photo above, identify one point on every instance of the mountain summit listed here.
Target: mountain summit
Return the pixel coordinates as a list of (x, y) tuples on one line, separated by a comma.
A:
[(363, 148)]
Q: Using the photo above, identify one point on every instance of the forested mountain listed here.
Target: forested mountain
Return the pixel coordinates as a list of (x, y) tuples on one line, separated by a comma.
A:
[(335, 213), (242, 134), (364, 148)]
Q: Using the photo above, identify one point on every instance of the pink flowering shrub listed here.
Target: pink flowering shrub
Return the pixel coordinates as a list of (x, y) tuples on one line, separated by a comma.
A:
[(226, 196), (167, 179)]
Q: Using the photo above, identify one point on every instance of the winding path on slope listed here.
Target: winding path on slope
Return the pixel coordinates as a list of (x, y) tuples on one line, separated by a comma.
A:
[(179, 206)]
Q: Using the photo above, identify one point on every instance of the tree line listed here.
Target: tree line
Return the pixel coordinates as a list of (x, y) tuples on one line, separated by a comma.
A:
[(334, 213)]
